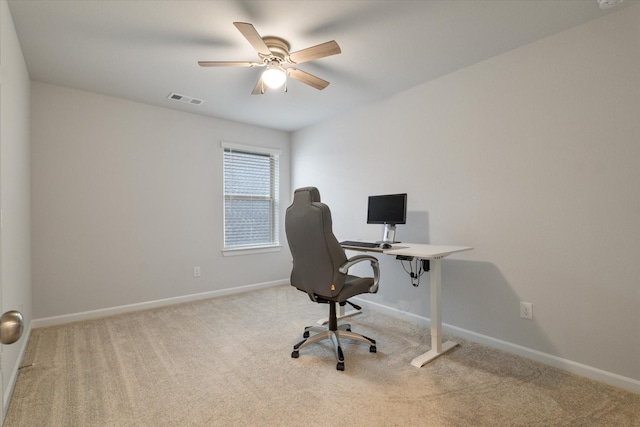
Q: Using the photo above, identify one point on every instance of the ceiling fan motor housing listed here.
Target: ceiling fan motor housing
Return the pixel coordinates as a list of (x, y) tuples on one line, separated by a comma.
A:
[(279, 48)]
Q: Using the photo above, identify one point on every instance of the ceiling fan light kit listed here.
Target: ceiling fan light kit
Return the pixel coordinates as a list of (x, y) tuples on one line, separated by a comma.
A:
[(274, 53), (274, 76)]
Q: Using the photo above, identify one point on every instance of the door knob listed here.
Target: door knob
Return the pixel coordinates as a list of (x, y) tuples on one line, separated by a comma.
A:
[(11, 327)]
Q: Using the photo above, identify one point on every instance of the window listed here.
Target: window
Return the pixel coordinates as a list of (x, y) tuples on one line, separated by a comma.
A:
[(250, 196)]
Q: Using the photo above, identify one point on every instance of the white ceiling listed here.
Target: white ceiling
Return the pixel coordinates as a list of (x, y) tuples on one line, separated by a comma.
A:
[(143, 50)]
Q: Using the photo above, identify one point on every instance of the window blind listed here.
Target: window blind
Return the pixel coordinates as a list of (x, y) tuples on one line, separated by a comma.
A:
[(250, 197)]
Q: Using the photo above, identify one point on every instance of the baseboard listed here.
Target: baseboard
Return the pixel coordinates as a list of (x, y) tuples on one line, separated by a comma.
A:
[(8, 392), (93, 314), (596, 374)]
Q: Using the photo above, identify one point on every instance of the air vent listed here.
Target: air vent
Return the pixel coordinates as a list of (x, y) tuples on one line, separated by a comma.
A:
[(608, 4), (185, 99)]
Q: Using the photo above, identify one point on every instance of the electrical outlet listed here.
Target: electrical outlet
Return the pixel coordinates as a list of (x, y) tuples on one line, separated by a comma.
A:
[(526, 310), (196, 271)]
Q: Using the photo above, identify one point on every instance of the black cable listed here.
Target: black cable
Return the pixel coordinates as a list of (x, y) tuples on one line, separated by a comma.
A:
[(415, 277)]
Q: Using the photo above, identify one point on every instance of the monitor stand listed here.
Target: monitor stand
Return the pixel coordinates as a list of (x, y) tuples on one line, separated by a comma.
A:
[(389, 235)]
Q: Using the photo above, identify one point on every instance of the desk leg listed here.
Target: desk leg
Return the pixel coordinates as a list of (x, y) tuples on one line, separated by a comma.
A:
[(438, 348), (341, 314)]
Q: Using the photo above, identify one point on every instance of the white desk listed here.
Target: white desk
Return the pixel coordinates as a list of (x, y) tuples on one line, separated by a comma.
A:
[(434, 253)]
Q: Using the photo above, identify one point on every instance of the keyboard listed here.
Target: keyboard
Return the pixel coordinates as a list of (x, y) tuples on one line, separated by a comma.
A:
[(360, 244)]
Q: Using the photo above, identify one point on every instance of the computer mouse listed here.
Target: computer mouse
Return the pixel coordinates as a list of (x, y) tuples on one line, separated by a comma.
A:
[(385, 246)]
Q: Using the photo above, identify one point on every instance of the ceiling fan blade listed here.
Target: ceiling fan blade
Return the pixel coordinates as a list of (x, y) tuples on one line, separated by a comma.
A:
[(315, 52), (252, 36), (229, 64), (307, 78), (259, 88)]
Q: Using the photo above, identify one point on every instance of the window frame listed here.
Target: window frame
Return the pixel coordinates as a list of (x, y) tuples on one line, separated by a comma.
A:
[(275, 244)]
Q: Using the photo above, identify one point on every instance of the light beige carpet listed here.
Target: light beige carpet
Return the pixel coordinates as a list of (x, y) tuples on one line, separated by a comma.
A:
[(226, 362)]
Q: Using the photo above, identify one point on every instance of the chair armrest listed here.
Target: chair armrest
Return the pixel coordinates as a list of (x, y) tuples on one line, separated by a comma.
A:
[(344, 268)]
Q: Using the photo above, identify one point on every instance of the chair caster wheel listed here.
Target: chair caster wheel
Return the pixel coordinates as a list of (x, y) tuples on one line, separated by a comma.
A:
[(373, 349), (340, 366), (295, 354), (306, 334)]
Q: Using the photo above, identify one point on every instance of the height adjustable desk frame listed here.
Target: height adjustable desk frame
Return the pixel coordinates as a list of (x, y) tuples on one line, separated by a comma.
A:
[(435, 254)]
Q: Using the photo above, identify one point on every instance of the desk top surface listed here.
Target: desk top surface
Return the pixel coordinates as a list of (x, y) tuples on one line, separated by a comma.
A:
[(423, 251), (417, 250)]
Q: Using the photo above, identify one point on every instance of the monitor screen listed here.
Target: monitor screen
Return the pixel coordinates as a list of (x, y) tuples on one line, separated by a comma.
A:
[(387, 209)]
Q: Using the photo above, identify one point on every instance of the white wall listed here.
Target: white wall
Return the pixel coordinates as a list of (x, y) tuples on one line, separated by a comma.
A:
[(15, 236), (127, 199), (531, 157)]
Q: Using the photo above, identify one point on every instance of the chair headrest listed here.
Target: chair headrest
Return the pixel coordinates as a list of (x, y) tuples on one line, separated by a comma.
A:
[(306, 195)]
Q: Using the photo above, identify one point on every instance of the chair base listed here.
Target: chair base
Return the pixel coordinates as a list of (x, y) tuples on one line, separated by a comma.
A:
[(324, 332)]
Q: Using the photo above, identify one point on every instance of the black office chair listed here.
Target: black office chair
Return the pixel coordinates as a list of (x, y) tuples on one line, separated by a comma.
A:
[(320, 269)]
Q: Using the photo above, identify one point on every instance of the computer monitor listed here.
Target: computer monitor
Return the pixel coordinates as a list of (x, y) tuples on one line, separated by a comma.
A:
[(387, 209)]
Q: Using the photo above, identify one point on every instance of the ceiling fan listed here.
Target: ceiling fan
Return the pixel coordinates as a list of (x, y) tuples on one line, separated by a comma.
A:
[(274, 54)]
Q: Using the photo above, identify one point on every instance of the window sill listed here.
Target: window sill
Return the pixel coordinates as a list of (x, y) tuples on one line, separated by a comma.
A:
[(250, 250)]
